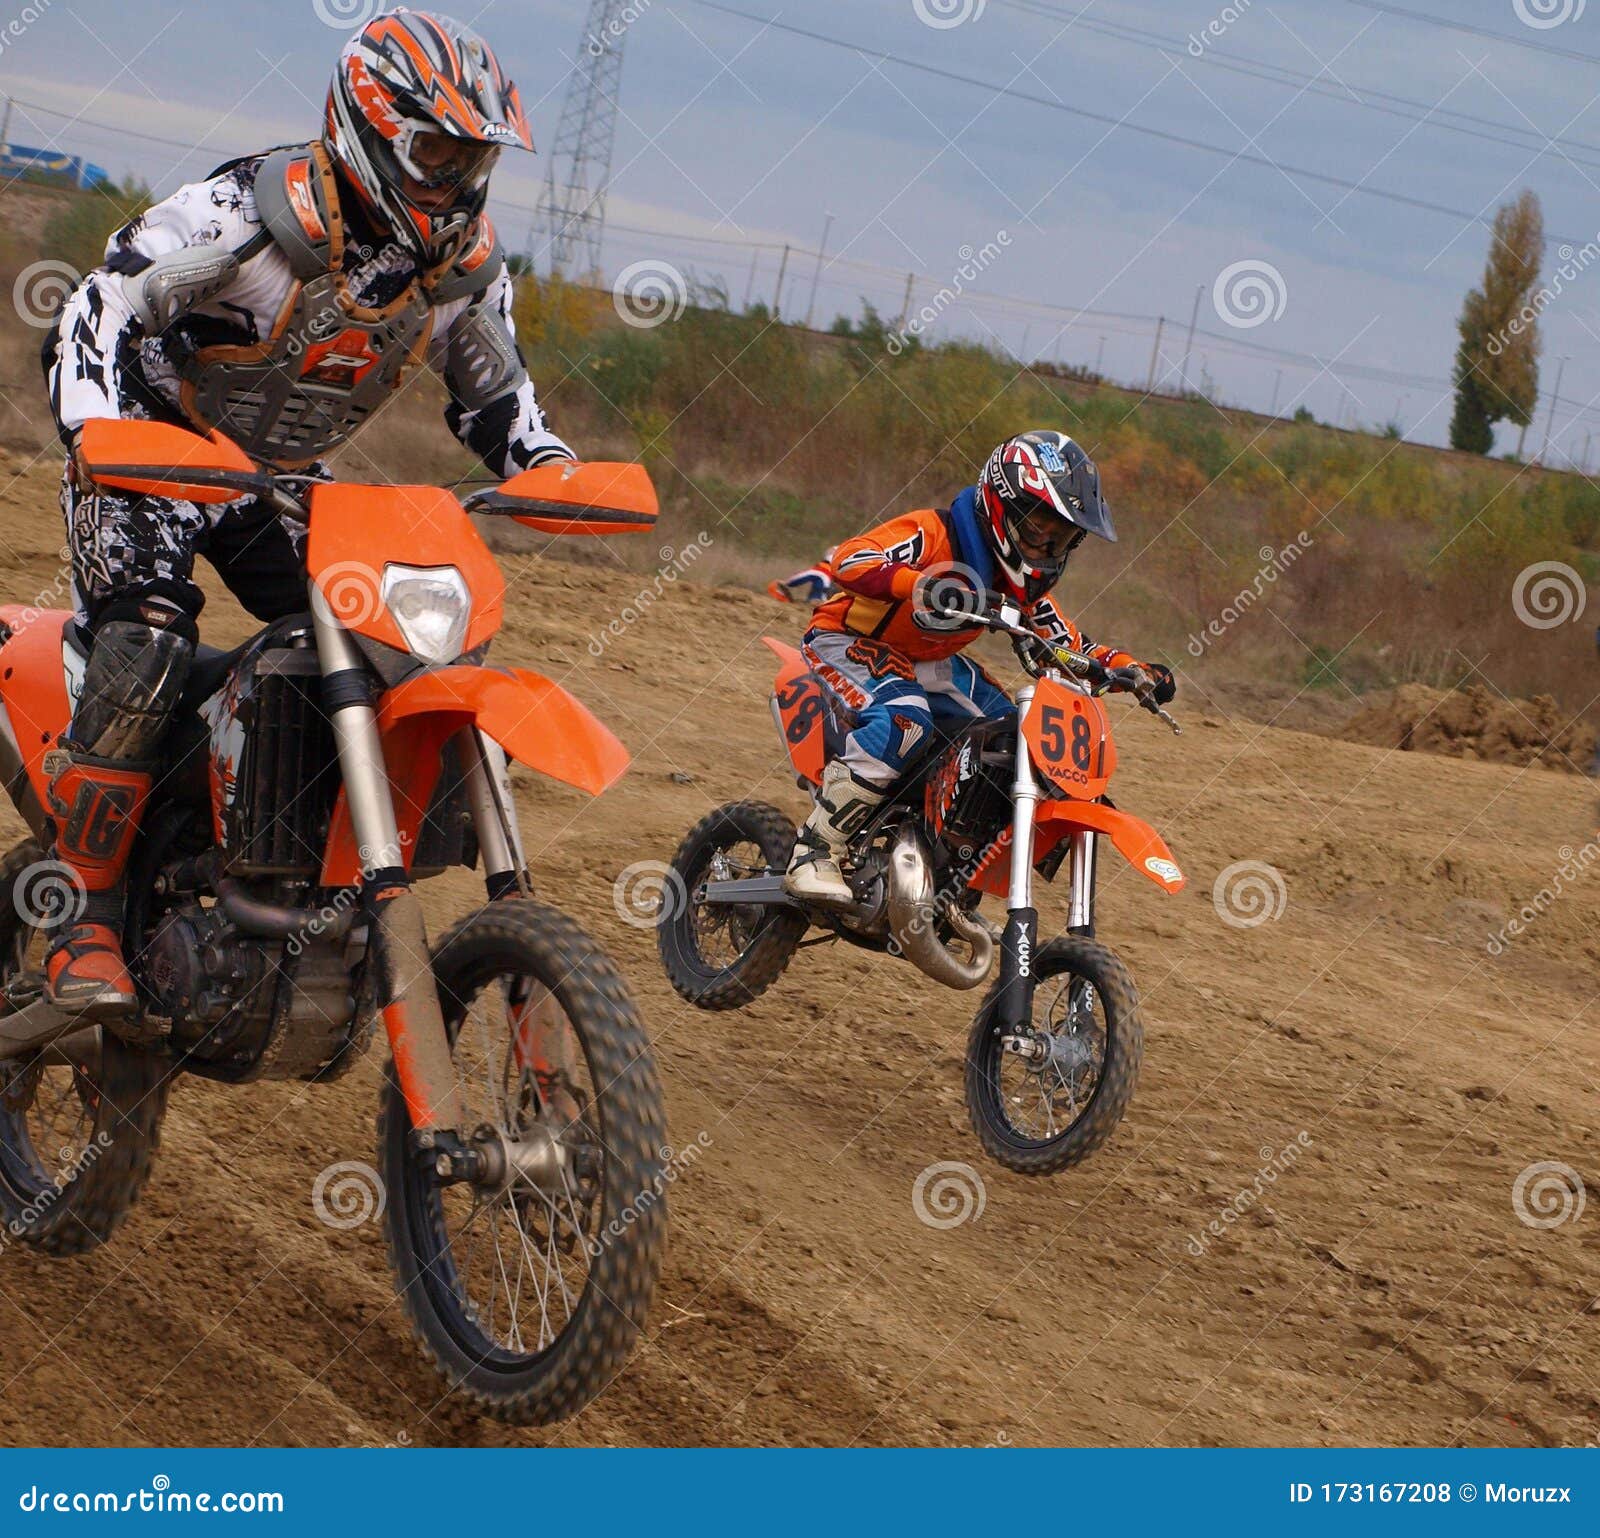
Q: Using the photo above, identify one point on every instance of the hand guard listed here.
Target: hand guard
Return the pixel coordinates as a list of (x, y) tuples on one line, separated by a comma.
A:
[(1165, 684)]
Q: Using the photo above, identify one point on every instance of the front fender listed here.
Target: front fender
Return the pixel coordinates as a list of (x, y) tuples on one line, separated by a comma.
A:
[(536, 721), (1143, 848)]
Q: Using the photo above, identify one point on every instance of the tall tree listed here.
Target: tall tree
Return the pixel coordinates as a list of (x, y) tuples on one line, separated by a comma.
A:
[(1497, 361)]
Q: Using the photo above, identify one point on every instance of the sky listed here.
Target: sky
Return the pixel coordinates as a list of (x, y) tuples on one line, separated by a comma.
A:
[(1037, 147)]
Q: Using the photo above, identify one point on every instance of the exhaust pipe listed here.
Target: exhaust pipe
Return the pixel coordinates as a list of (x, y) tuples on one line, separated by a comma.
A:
[(913, 918)]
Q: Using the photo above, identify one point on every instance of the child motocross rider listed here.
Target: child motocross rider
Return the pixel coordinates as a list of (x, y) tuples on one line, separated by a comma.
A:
[(887, 646)]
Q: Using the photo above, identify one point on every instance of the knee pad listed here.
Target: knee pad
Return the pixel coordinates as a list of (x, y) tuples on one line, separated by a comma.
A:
[(131, 686)]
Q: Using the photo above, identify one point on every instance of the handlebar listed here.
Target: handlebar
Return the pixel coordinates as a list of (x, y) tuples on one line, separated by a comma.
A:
[(1038, 654)]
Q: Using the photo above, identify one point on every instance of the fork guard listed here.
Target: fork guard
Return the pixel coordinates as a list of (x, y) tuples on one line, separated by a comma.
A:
[(1139, 843), (535, 720)]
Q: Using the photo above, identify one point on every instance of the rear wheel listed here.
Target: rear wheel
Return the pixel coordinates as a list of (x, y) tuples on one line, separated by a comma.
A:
[(1051, 1104), (80, 1120), (529, 1291), (716, 955)]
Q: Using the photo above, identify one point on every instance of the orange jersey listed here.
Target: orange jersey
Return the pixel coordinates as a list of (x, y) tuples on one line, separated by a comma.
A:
[(877, 574)]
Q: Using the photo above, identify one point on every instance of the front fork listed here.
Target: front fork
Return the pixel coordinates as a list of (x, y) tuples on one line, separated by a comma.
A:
[(398, 936), (541, 1038), (1020, 941)]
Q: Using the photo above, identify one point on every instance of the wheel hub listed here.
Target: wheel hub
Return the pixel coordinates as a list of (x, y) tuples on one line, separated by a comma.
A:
[(535, 1157)]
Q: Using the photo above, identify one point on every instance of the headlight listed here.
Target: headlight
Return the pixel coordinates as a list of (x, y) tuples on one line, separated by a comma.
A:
[(432, 607)]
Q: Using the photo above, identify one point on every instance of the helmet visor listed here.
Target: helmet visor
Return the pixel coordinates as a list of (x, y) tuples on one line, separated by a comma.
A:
[(1044, 537)]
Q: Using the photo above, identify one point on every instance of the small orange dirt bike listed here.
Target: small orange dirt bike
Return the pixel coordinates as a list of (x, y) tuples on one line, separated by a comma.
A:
[(311, 777), (1054, 1051)]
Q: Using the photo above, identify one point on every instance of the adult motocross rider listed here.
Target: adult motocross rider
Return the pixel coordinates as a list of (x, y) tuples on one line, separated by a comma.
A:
[(887, 647), (281, 300)]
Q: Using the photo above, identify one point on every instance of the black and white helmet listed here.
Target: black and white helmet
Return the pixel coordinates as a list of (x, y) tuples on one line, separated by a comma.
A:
[(418, 111), (1039, 496)]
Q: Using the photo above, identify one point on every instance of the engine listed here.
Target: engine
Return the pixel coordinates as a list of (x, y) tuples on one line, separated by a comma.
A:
[(203, 971), (246, 1008)]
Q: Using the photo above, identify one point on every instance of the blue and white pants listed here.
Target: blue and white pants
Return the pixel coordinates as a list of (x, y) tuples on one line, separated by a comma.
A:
[(892, 702)]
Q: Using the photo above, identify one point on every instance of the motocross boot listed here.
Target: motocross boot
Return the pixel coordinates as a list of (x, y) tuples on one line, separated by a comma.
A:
[(843, 804), (100, 778)]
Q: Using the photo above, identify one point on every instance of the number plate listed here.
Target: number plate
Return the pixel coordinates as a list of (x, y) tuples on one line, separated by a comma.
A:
[(1069, 736)]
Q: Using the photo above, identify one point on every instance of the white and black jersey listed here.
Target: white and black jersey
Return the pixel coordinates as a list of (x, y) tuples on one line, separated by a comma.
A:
[(104, 364)]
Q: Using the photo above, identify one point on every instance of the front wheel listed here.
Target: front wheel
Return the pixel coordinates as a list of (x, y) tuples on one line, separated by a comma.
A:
[(529, 1290), (1050, 1097), (720, 956)]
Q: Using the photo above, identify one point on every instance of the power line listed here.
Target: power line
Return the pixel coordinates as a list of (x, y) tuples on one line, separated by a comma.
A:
[(121, 130), (1246, 156), (1432, 115), (1117, 321), (1464, 26)]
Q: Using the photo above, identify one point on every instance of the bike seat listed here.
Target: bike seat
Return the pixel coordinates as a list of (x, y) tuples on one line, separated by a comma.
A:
[(209, 671)]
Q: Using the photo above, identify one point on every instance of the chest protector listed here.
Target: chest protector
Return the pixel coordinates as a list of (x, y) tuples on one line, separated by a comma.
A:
[(329, 362)]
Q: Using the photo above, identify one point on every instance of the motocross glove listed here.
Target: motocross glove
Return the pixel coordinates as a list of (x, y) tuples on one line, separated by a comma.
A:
[(947, 598)]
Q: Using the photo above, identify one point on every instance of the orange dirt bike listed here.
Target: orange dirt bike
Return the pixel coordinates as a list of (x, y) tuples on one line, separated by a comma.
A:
[(312, 775), (1054, 1050)]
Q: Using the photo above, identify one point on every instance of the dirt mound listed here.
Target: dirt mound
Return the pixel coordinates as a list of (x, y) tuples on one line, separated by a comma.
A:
[(1474, 723)]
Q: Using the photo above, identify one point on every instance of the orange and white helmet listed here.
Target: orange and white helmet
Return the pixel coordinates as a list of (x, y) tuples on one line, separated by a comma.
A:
[(418, 112)]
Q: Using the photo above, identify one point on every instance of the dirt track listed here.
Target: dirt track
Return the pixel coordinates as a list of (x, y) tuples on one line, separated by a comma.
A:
[(1382, 1289)]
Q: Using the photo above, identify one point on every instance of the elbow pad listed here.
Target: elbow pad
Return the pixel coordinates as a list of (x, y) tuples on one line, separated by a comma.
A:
[(482, 362), (174, 284)]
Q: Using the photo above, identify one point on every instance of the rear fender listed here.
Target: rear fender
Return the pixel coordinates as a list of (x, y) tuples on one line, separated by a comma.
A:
[(1139, 843), (801, 710), (536, 721)]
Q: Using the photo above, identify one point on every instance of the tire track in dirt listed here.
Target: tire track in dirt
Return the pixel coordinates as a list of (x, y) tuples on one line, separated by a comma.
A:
[(1381, 1289)]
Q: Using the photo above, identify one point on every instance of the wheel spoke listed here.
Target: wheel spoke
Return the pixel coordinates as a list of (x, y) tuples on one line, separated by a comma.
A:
[(517, 1285)]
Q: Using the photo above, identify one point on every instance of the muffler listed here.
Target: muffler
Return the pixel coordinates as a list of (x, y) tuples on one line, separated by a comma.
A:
[(914, 918)]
